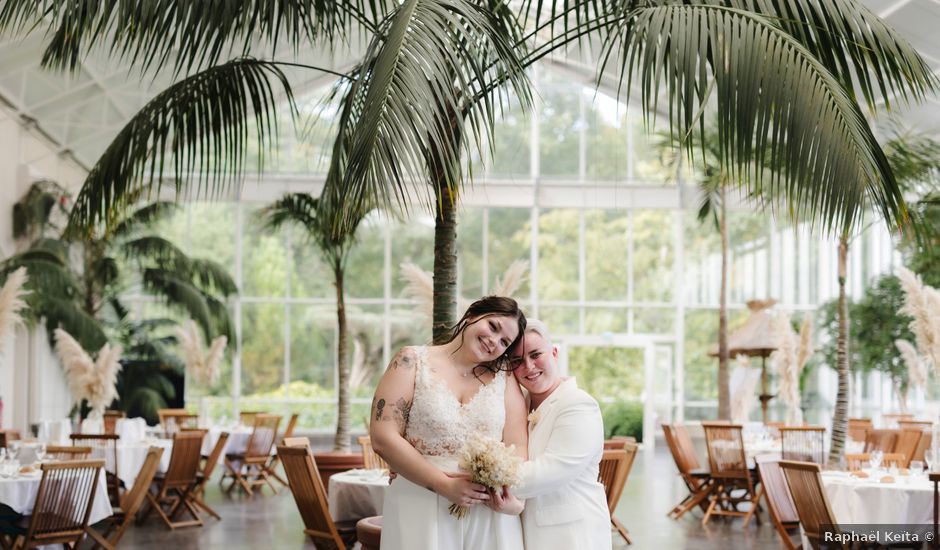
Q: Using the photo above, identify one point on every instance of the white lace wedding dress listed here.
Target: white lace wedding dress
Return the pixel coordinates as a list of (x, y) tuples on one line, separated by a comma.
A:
[(415, 518)]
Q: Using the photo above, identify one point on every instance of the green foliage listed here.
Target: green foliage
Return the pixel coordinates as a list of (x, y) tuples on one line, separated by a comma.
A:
[(874, 324), (922, 252), (623, 418)]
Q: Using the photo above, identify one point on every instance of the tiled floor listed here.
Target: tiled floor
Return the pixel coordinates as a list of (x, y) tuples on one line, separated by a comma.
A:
[(273, 522)]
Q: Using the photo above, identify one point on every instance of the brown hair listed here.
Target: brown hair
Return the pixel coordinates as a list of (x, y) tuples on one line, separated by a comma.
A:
[(491, 306)]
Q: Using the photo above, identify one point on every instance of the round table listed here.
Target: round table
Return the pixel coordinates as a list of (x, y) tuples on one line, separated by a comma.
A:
[(20, 494), (357, 494), (853, 500)]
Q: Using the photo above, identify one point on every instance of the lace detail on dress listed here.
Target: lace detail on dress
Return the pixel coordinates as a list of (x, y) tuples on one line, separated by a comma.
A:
[(439, 424)]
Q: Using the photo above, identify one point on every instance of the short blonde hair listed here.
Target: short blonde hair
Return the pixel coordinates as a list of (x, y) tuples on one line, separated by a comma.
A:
[(540, 328)]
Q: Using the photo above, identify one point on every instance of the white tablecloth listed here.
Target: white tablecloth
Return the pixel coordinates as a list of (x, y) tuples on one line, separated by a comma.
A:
[(237, 439), (357, 494), (131, 457), (853, 500), (20, 494)]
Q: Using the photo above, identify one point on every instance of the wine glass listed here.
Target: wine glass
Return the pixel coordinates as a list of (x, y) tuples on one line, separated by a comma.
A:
[(875, 458), (931, 459), (917, 468), (41, 452)]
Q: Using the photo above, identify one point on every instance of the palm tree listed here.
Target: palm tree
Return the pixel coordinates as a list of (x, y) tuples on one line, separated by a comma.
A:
[(783, 76), (78, 285), (914, 160), (431, 84), (319, 220)]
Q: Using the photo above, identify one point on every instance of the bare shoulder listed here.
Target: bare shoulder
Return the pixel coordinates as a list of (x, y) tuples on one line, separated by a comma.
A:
[(405, 359)]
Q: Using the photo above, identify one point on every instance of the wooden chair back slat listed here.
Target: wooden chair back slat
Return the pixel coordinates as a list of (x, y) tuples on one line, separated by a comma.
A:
[(618, 442), (803, 444), (880, 440), (133, 499), (809, 498), (614, 470), (247, 418), (180, 418), (686, 447), (107, 444), (262, 437), (858, 427), (370, 459), (213, 459), (57, 452), (309, 494), (779, 500), (291, 425), (726, 457), (923, 425), (907, 442), (63, 502), (296, 442), (184, 460)]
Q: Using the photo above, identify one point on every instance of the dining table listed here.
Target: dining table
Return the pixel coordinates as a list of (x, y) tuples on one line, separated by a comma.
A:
[(900, 499), (19, 493), (357, 494)]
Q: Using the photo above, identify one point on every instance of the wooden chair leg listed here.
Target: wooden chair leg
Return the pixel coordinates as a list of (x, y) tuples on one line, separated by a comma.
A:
[(715, 495), (205, 507), (100, 541), (621, 529)]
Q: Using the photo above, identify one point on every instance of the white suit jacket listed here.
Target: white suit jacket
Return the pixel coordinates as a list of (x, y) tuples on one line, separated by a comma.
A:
[(566, 508)]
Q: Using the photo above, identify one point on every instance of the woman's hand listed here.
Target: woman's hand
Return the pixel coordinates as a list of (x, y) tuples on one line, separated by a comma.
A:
[(461, 491), (505, 502)]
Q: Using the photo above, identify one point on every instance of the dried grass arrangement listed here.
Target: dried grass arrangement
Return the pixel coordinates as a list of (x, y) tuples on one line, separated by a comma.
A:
[(922, 304), (92, 381), (789, 360), (419, 285), (204, 367), (11, 303)]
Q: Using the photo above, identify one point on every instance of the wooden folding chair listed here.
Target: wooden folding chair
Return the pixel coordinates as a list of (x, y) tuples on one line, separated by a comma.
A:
[(274, 460), (310, 496), (63, 505), (133, 499), (172, 420), (370, 459), (907, 443), (248, 469), (696, 479), (6, 436), (803, 444), (296, 442), (880, 440), (110, 420), (810, 500), (858, 427), (172, 491), (858, 461), (614, 470), (103, 446), (729, 470), (208, 467), (778, 499), (56, 452)]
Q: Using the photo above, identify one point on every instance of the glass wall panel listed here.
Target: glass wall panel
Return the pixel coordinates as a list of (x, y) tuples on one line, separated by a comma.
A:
[(605, 320), (558, 254), (608, 373), (560, 126), (512, 145), (654, 320), (265, 257), (510, 236), (653, 256), (561, 319), (366, 264), (262, 347), (470, 253), (606, 255), (413, 243), (607, 141), (312, 350)]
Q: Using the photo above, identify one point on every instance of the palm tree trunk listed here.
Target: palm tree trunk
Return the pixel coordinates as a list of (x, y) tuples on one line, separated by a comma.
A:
[(341, 441), (840, 416), (445, 263), (724, 391)]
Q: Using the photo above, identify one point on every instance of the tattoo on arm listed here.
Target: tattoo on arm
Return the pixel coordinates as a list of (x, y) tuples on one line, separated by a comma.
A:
[(379, 407), (402, 412), (404, 360)]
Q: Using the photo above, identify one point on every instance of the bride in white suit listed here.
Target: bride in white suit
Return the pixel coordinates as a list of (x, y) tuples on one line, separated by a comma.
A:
[(565, 506)]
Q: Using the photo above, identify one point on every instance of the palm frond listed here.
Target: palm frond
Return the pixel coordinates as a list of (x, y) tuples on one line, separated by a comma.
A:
[(11, 302), (105, 271), (143, 217), (221, 318), (71, 318), (826, 160), (179, 294), (201, 123), (210, 275), (183, 34), (156, 249), (298, 208), (420, 98)]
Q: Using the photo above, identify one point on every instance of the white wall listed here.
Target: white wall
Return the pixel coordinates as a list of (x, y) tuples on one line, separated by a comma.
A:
[(31, 381)]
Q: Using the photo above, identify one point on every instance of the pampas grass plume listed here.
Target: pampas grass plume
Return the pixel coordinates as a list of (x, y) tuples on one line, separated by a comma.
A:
[(11, 303)]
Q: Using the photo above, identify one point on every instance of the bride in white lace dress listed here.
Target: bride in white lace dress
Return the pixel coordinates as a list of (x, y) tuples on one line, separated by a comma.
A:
[(429, 401)]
